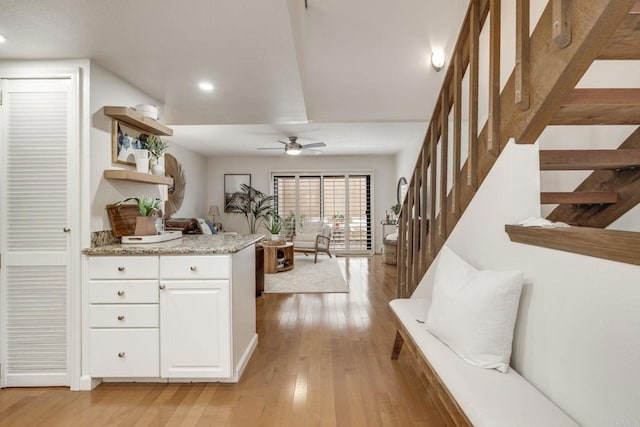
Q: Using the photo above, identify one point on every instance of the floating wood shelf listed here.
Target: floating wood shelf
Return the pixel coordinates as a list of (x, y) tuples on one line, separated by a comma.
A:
[(553, 160), (133, 118), (615, 245), (579, 198), (127, 175)]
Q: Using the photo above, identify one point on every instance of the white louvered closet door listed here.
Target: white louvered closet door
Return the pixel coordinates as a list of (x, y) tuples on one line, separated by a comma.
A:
[(37, 116)]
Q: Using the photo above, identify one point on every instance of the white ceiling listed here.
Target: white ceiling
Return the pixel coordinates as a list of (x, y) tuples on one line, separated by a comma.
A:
[(354, 74)]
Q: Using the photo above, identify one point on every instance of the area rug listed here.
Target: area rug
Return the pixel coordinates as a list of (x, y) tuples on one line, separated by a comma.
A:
[(306, 277)]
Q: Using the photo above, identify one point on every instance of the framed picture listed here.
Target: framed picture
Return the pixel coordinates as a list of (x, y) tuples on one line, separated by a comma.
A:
[(232, 185), (124, 140)]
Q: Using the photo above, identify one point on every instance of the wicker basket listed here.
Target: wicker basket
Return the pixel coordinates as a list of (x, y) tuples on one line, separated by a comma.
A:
[(390, 252)]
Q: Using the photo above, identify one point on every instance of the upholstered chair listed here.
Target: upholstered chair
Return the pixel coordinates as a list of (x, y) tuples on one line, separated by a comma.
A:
[(315, 237)]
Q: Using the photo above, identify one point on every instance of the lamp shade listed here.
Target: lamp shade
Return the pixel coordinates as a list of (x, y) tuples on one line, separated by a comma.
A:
[(213, 211)]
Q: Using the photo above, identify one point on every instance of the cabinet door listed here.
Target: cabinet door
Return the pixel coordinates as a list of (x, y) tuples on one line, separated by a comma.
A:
[(195, 330)]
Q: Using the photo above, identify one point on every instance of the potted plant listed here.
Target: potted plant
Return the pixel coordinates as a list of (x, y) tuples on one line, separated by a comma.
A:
[(275, 226), (338, 217), (157, 147), (256, 206), (396, 210), (148, 207)]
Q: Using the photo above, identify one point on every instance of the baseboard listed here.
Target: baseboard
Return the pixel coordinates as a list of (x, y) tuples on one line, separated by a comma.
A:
[(244, 361), (88, 383)]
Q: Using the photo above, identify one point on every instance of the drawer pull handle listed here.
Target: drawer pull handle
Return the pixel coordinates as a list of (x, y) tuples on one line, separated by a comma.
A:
[(162, 286), (121, 317), (121, 354), (194, 268), (120, 293), (121, 268)]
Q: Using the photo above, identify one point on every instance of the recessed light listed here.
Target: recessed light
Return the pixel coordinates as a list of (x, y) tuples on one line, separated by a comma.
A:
[(2, 39), (205, 86)]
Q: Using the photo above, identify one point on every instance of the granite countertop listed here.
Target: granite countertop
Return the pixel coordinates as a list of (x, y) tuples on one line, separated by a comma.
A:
[(187, 245)]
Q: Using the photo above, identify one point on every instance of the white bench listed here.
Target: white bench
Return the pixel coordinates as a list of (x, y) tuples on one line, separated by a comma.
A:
[(464, 394)]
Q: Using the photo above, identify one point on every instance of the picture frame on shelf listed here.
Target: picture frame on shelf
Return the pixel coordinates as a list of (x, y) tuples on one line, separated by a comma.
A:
[(233, 184), (125, 139)]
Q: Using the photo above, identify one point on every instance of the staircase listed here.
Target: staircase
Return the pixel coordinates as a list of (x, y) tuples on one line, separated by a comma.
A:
[(540, 92)]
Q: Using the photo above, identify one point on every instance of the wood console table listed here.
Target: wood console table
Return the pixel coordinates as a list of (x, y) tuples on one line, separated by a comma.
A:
[(271, 258)]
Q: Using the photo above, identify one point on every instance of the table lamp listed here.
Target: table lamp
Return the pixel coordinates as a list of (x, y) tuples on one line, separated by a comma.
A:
[(213, 212)]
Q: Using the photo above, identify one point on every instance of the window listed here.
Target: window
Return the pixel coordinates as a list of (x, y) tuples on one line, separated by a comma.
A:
[(342, 200)]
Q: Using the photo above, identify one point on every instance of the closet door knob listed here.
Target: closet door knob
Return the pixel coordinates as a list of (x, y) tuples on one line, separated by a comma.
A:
[(121, 317), (162, 286), (66, 229), (120, 293), (121, 354), (194, 268), (121, 268)]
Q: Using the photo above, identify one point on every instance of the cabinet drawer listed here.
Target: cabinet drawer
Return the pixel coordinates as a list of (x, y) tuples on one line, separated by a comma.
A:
[(195, 267), (123, 316), (123, 292), (124, 353), (123, 267)]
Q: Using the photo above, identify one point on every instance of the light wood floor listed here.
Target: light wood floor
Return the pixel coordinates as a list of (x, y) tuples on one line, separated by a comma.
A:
[(322, 360)]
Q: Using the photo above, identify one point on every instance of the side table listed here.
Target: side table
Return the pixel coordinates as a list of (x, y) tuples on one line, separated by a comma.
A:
[(271, 263)]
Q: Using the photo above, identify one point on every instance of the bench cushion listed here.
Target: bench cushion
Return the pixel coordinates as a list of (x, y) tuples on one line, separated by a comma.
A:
[(487, 397)]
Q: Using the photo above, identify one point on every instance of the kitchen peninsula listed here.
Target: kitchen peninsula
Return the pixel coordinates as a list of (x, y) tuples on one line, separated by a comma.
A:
[(182, 310)]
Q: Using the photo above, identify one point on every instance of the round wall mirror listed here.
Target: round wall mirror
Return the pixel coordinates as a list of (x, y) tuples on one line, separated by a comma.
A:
[(401, 189)]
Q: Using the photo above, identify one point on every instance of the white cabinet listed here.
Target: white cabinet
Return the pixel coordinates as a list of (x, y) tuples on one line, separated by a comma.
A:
[(171, 316), (123, 317), (195, 329)]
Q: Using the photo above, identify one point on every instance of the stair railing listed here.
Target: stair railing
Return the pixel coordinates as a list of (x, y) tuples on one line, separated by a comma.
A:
[(548, 65)]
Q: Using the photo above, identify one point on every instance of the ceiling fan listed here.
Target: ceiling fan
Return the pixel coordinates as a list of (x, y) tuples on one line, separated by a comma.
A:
[(293, 147)]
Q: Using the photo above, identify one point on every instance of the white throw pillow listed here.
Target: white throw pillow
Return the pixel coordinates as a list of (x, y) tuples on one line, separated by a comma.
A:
[(474, 312)]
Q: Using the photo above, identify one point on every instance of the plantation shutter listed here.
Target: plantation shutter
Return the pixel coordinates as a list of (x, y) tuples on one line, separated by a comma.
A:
[(36, 116)]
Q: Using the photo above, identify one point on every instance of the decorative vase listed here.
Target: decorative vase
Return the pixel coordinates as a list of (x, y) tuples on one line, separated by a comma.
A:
[(145, 226), (142, 161), (157, 165), (275, 237)]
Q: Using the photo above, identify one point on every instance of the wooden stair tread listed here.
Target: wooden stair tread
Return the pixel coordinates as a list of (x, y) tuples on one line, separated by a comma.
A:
[(615, 245), (600, 107), (588, 159), (579, 197), (625, 182)]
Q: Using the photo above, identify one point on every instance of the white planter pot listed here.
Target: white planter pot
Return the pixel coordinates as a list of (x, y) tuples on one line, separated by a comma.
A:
[(157, 166), (275, 237), (142, 161)]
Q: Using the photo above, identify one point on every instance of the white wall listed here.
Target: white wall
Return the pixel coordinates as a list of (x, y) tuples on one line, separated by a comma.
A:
[(260, 168), (108, 89), (576, 336)]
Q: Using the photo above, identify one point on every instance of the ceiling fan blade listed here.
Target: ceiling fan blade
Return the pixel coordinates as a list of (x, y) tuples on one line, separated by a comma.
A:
[(285, 143), (314, 144), (311, 150), (270, 148)]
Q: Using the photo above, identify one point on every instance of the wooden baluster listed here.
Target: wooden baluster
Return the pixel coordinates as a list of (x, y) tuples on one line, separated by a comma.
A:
[(457, 134), (493, 123), (444, 157), (400, 253), (522, 54), (409, 257), (433, 187), (424, 224), (474, 54), (561, 21), (417, 244)]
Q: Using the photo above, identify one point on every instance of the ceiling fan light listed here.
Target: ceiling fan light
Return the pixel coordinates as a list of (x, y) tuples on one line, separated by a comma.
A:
[(294, 151)]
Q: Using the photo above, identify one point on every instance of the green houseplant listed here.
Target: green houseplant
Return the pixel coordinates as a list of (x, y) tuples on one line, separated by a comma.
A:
[(157, 147), (275, 226), (256, 206), (148, 207)]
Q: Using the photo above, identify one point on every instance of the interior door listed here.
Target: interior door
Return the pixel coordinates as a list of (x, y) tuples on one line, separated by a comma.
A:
[(37, 192)]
